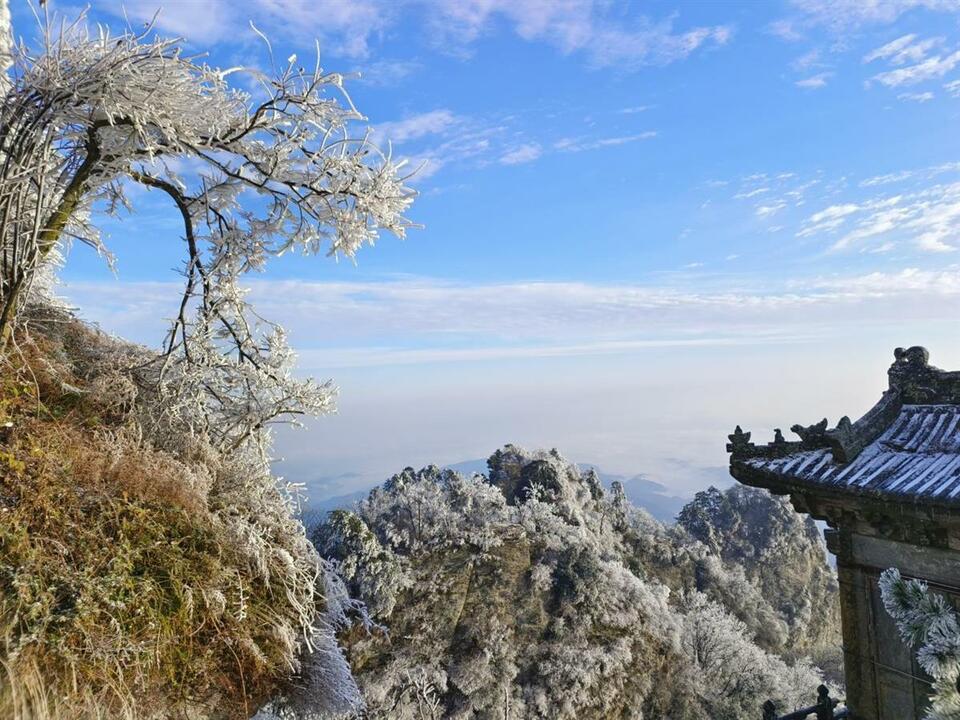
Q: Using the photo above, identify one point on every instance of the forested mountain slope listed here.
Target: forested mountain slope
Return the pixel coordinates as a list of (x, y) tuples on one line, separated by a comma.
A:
[(532, 592)]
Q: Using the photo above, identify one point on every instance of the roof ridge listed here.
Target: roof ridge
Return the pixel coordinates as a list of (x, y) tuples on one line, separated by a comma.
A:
[(921, 383), (912, 381)]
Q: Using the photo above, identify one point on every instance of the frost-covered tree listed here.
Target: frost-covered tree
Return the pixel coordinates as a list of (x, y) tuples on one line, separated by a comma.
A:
[(211, 598), (733, 675), (252, 174), (926, 621)]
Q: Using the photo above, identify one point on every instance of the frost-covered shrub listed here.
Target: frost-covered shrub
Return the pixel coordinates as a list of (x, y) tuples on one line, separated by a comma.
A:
[(733, 675), (144, 576)]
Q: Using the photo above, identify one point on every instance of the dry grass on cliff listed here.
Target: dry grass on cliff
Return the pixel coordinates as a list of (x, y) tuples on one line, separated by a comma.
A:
[(135, 582)]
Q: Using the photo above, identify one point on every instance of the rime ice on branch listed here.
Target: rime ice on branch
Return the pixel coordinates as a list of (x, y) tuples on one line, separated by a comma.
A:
[(271, 170)]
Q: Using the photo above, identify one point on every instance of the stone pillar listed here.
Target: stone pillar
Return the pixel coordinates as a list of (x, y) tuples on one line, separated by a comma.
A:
[(855, 621)]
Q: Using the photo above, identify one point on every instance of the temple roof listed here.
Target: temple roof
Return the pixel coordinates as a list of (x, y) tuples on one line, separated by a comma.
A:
[(905, 448)]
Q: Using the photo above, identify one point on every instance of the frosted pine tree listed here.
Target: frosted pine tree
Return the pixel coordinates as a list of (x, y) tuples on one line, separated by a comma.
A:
[(927, 622)]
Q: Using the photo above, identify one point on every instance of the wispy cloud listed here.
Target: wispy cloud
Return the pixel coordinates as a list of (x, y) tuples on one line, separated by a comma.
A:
[(388, 73), (827, 220), (887, 178), (845, 15), (930, 69), (345, 27), (592, 28), (928, 218), (747, 194), (579, 145), (421, 320), (522, 154), (903, 50), (788, 29), (814, 82), (943, 283), (416, 126), (770, 210), (200, 22), (588, 27), (920, 97), (439, 138), (808, 60), (927, 173)]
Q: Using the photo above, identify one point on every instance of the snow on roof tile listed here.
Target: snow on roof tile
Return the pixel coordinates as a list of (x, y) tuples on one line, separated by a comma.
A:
[(906, 447)]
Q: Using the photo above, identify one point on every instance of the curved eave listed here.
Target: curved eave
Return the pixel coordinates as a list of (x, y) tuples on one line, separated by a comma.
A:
[(789, 485)]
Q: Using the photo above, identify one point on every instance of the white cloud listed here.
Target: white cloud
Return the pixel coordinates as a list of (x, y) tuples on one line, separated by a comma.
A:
[(903, 50), (786, 29), (952, 87), (436, 139), (920, 97), (770, 210), (582, 26), (928, 218), (416, 126), (388, 73), (930, 69), (807, 61), (834, 212), (746, 194), (198, 22), (828, 219), (846, 15), (815, 82), (589, 27), (345, 27), (892, 49), (634, 110), (888, 178), (931, 243), (579, 145), (877, 224), (927, 173), (522, 154), (909, 280)]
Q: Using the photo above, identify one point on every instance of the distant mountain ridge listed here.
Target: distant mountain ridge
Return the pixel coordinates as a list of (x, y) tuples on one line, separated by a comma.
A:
[(642, 492)]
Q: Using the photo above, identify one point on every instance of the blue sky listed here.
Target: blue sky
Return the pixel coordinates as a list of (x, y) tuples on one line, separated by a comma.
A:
[(642, 223)]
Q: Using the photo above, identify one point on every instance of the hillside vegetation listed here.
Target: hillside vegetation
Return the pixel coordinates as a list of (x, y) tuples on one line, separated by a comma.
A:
[(532, 593), (143, 574)]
